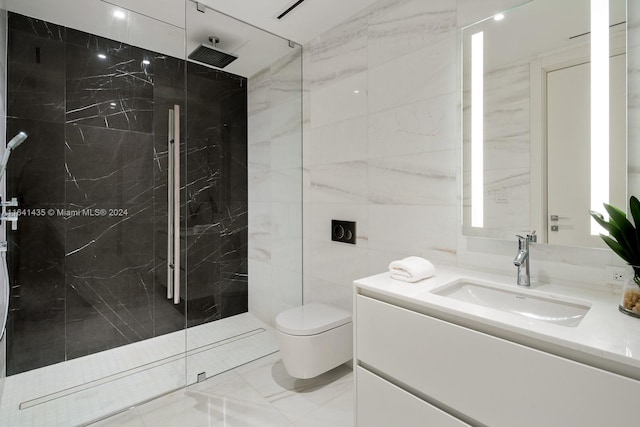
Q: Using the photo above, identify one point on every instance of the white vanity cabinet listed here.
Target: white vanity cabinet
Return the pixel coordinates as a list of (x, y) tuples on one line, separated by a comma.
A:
[(382, 404), (413, 369)]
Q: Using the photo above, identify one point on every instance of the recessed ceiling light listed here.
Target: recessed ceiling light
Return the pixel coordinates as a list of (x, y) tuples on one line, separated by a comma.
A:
[(102, 56), (499, 17), (119, 14), (146, 62), (356, 91)]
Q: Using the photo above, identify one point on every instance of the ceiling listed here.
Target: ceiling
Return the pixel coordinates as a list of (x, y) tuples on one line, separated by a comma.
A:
[(257, 49), (306, 22), (159, 25)]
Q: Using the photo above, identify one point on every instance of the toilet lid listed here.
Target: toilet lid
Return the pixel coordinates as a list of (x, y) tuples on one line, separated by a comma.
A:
[(311, 319)]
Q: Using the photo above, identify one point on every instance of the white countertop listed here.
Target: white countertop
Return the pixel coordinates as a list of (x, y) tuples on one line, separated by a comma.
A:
[(605, 338)]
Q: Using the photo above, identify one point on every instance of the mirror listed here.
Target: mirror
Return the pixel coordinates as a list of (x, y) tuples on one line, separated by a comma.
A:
[(527, 125)]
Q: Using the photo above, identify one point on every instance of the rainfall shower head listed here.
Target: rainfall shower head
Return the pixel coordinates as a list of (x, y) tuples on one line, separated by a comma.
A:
[(209, 54)]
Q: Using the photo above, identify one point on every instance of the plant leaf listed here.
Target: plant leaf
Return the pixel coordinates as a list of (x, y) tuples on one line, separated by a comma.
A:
[(618, 249), (610, 227), (613, 230), (634, 204), (629, 238), (634, 207)]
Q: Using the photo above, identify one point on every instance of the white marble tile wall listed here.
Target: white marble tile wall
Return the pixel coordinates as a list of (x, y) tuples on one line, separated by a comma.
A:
[(382, 149), (275, 188), (338, 54), (380, 143)]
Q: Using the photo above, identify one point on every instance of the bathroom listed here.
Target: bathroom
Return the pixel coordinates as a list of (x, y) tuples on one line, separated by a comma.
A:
[(380, 110)]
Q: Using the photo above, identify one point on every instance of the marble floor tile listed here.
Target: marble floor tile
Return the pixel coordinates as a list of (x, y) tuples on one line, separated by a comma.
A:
[(194, 409), (338, 412), (259, 393), (131, 418), (296, 398)]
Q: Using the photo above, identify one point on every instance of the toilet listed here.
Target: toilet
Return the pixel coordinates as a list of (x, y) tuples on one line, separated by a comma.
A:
[(314, 338)]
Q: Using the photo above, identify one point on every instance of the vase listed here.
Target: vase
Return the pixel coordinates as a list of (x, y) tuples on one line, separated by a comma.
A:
[(630, 303)]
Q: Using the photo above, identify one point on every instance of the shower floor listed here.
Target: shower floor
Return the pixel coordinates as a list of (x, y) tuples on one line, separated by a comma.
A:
[(83, 389)]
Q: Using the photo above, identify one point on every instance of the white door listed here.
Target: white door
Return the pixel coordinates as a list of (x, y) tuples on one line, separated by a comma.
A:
[(569, 153)]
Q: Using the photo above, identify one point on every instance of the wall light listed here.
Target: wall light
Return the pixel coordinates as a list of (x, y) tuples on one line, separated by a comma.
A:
[(146, 62), (599, 107), (498, 17), (119, 14), (102, 56), (477, 129)]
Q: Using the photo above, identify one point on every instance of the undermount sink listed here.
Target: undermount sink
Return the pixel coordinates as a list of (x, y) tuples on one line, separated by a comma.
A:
[(532, 305)]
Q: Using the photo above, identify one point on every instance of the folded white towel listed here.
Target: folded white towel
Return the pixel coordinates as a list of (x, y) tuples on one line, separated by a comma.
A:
[(411, 269)]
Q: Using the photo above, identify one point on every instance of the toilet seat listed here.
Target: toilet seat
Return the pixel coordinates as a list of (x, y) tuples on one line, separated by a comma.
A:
[(311, 319)]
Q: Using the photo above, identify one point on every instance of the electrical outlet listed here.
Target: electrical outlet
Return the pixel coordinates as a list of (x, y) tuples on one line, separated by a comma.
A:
[(614, 275)]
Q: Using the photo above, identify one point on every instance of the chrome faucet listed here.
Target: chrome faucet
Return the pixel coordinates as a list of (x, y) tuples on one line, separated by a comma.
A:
[(522, 258)]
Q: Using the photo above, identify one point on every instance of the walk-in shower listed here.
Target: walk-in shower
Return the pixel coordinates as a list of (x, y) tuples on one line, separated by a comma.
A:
[(150, 250)]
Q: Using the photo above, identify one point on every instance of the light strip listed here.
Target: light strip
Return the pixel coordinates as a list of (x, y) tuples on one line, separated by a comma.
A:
[(599, 107), (477, 129)]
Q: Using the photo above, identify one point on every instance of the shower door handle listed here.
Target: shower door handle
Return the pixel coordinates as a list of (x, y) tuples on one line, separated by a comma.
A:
[(173, 205)]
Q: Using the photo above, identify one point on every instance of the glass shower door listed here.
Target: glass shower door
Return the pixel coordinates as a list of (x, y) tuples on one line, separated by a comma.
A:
[(243, 182), (93, 327)]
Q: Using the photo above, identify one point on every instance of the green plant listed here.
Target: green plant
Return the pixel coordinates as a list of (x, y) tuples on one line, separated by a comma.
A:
[(624, 236)]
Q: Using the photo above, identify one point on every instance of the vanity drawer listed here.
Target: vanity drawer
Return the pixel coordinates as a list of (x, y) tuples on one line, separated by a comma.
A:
[(382, 404), (490, 380)]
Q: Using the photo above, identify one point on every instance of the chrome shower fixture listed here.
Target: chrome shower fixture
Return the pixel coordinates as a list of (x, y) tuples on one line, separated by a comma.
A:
[(15, 142)]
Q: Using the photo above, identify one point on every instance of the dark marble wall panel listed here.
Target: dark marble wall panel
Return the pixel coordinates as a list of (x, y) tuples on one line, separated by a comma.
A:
[(36, 325), (110, 253), (91, 274), (109, 169), (169, 83), (43, 29), (35, 172), (233, 262), (109, 284), (235, 140), (109, 86), (203, 266), (216, 178), (234, 241), (87, 280), (35, 86)]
